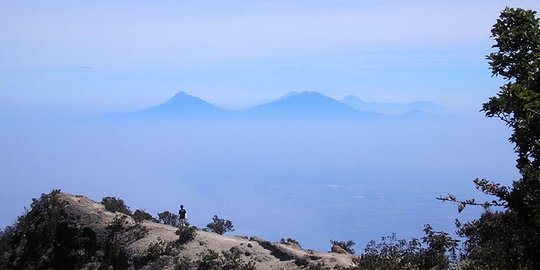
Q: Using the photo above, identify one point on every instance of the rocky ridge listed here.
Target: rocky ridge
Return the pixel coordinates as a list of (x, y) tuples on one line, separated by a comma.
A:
[(146, 244)]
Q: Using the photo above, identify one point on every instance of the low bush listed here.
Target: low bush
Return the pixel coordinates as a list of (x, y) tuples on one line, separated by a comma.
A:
[(212, 260), (186, 234), (346, 245), (168, 218), (289, 241), (46, 237), (140, 215), (220, 225), (115, 255), (436, 250), (6, 238), (182, 263), (114, 205)]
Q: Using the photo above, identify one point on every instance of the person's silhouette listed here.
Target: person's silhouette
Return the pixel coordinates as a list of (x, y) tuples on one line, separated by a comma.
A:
[(182, 216)]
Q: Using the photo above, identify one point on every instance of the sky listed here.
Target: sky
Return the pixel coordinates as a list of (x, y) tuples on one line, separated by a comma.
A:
[(94, 57)]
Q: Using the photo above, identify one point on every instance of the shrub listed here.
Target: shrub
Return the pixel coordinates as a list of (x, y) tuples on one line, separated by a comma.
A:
[(186, 234), (158, 256), (497, 240), (117, 225), (168, 218), (114, 205), (220, 226), (6, 238), (302, 261), (140, 215), (182, 263), (436, 250), (213, 260), (323, 266), (115, 255), (47, 238), (119, 234), (346, 245), (152, 255), (289, 241)]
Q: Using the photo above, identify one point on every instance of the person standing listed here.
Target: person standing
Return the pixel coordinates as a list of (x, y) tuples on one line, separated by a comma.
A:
[(182, 216)]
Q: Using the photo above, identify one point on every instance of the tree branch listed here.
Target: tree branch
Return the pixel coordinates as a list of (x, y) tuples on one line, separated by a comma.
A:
[(463, 203)]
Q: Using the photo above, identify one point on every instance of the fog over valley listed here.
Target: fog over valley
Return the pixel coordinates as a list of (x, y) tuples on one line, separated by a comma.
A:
[(311, 178)]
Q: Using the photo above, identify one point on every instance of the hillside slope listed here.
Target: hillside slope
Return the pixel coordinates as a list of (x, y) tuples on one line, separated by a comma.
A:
[(65, 231)]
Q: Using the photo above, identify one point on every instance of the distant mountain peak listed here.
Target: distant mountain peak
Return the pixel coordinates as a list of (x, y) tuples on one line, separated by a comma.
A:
[(307, 92), (182, 103), (306, 95), (182, 96), (181, 93), (305, 103), (312, 94)]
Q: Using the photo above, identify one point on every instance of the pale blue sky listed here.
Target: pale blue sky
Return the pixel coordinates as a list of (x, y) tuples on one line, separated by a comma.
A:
[(93, 57)]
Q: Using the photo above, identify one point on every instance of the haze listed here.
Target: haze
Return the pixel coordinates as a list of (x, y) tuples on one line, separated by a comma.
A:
[(66, 65)]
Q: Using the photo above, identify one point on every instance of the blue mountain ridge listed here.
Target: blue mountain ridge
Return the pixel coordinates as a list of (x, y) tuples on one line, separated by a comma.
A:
[(294, 105), (392, 107), (307, 102), (183, 104)]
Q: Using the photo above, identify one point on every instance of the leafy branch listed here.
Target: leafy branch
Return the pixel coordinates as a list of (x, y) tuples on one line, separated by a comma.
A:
[(485, 186)]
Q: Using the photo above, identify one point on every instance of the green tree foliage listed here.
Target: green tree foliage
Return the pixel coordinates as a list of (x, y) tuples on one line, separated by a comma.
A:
[(289, 241), (517, 60), (211, 259), (169, 218), (119, 234), (509, 238), (49, 237), (345, 245), (6, 238), (46, 237), (186, 234), (514, 234), (115, 255), (140, 215), (436, 250), (220, 225), (114, 205), (498, 240)]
